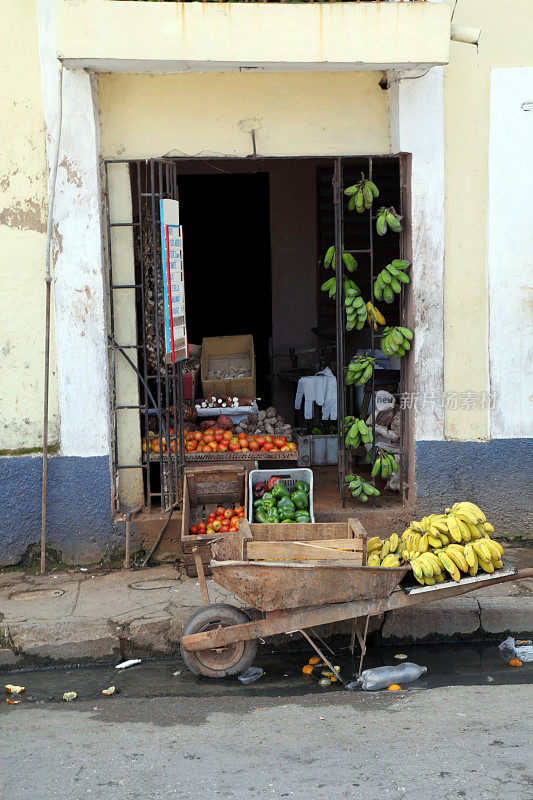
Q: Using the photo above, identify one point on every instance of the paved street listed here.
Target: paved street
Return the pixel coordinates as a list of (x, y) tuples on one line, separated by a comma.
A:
[(472, 742)]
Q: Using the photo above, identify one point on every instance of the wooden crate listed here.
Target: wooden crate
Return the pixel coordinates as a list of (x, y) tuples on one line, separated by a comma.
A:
[(204, 489), (312, 532)]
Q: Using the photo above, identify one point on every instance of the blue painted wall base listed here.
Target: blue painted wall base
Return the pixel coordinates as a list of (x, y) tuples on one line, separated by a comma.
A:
[(495, 475), (79, 519)]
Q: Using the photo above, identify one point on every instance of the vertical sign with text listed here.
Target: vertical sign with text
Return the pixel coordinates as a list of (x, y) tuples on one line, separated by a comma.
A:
[(176, 345)]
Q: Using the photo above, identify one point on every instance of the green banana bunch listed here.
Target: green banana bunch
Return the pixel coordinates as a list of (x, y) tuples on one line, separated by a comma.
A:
[(357, 432), (361, 194), (384, 465), (360, 489), (356, 312), (330, 260), (388, 218), (359, 370), (396, 341), (330, 286), (390, 279)]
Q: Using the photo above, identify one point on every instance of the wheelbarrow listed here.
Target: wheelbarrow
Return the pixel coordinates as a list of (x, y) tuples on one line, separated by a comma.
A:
[(219, 640)]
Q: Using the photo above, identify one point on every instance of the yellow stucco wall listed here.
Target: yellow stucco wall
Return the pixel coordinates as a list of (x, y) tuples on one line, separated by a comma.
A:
[(23, 206), (212, 114), (505, 41)]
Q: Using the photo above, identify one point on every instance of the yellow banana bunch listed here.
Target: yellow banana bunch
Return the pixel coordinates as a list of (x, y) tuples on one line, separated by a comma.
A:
[(441, 546)]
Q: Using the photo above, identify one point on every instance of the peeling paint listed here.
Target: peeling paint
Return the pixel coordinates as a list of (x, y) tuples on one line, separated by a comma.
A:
[(73, 175), (25, 215)]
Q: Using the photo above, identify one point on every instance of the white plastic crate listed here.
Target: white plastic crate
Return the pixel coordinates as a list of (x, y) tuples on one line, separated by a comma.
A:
[(289, 477)]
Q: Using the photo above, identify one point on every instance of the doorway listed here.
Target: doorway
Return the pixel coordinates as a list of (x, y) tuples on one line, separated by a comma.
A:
[(226, 224)]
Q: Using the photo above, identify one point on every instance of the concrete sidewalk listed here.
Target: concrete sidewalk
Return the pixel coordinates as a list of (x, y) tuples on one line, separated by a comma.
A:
[(76, 617)]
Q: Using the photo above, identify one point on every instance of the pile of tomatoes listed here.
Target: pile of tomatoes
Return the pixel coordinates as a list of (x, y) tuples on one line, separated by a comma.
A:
[(223, 520), (216, 440)]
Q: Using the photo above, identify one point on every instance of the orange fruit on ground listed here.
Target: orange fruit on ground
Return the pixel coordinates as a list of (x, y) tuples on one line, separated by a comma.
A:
[(307, 669), (394, 688), (314, 660), (515, 662)]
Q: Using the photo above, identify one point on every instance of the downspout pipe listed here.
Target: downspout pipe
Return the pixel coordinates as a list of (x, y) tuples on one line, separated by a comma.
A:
[(48, 284)]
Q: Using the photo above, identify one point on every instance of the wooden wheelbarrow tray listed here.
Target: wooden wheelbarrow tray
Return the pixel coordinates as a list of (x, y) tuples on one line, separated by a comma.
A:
[(296, 596)]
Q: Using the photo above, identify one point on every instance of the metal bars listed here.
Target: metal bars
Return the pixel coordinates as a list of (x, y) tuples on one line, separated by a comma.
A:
[(395, 192), (160, 387)]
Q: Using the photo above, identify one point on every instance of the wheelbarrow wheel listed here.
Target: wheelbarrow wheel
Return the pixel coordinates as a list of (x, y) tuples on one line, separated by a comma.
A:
[(220, 662)]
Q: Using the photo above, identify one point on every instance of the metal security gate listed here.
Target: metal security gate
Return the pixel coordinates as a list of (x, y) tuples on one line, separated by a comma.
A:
[(160, 386), (356, 234)]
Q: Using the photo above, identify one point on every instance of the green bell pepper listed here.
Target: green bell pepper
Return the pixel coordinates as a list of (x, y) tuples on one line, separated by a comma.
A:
[(302, 516), (257, 503), (260, 515), (272, 515), (286, 513), (300, 499), (301, 486), (267, 501), (285, 502), (280, 491)]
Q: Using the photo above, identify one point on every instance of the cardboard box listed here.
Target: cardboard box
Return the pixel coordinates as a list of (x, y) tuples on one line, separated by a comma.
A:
[(226, 352)]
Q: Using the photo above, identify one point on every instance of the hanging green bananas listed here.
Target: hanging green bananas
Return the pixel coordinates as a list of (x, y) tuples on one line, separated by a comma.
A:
[(356, 432), (388, 218), (355, 307), (361, 194), (396, 341), (330, 260), (384, 465), (360, 489), (359, 370), (389, 281)]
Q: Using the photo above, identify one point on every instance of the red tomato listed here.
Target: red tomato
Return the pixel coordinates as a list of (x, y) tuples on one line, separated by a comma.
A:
[(220, 511), (268, 446), (224, 529), (237, 509), (234, 447), (280, 441), (216, 525), (242, 435), (233, 529), (292, 447), (234, 520), (243, 441), (201, 527), (260, 440), (253, 446), (208, 437), (219, 430), (210, 518), (228, 513), (285, 449), (193, 529), (227, 436), (213, 446), (241, 514), (222, 448), (198, 436), (218, 437), (206, 449)]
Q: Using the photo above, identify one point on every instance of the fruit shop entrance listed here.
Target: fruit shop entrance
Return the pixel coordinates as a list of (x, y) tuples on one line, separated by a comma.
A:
[(255, 235)]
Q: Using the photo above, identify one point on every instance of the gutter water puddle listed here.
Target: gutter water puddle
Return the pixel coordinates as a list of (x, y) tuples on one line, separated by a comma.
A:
[(448, 665)]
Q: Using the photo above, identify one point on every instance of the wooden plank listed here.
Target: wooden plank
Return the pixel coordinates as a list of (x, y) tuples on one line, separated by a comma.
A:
[(295, 551), (201, 576), (299, 531), (357, 528), (188, 558), (343, 544)]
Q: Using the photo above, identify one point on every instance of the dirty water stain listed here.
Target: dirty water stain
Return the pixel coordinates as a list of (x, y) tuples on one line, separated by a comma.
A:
[(468, 664)]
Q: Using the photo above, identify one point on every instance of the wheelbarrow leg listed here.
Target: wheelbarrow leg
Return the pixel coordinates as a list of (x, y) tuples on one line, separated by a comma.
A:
[(201, 577), (322, 656), (322, 641), (361, 640)]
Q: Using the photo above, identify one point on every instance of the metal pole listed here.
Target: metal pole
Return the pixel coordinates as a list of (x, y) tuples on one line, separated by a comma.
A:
[(339, 323), (48, 281)]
